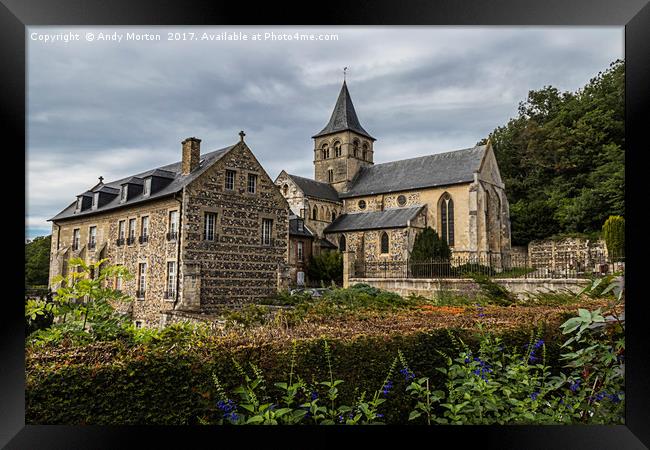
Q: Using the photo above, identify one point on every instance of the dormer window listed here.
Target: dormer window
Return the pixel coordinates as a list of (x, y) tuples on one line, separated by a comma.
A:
[(147, 187), (95, 200), (300, 225), (80, 201), (123, 193)]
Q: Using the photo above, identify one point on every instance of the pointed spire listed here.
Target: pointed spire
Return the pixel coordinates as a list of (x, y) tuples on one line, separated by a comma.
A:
[(344, 117)]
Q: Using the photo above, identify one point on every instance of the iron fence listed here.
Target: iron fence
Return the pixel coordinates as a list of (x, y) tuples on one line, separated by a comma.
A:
[(496, 265)]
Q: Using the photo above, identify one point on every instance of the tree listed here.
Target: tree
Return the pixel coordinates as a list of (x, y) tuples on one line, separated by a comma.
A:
[(614, 235), (562, 158), (428, 245), (37, 261), (326, 267)]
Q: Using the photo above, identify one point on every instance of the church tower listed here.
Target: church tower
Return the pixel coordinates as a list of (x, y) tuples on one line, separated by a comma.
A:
[(343, 147)]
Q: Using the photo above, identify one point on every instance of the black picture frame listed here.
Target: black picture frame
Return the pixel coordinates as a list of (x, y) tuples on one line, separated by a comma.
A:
[(634, 15)]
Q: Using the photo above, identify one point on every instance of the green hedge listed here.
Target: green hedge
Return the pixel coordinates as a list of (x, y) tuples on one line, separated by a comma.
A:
[(153, 385)]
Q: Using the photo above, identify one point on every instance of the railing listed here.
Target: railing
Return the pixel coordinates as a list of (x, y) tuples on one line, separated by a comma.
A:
[(139, 294), (143, 239), (120, 242), (172, 235), (130, 240), (92, 245), (496, 265)]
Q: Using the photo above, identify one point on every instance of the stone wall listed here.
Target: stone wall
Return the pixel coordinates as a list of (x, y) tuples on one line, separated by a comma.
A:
[(572, 253), (431, 288), (236, 267), (156, 252)]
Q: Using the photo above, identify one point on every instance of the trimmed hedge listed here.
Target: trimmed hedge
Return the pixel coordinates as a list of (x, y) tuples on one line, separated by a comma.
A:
[(156, 385)]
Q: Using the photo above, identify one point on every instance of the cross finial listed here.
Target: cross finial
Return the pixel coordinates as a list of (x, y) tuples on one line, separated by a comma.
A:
[(345, 69), (241, 136), (101, 179)]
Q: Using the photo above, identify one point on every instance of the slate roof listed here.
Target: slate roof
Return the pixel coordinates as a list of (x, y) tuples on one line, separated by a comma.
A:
[(172, 171), (439, 169), (293, 228), (389, 218), (344, 117), (324, 243), (316, 189)]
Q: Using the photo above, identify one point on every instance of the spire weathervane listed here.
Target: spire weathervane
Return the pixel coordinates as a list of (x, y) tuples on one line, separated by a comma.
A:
[(345, 69)]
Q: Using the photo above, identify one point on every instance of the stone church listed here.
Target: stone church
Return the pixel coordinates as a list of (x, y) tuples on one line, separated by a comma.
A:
[(376, 210)]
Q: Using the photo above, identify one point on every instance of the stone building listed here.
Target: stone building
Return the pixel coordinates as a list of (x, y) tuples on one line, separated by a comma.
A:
[(376, 210), (301, 241), (209, 230)]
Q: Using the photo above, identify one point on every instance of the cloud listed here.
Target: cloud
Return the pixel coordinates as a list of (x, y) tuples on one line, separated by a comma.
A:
[(115, 109)]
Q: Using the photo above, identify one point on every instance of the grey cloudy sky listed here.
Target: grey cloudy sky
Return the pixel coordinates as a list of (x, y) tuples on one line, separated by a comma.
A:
[(118, 108)]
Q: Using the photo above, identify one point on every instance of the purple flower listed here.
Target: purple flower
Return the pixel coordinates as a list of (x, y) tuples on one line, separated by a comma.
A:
[(574, 385), (408, 375), (387, 387), (380, 415), (314, 395), (538, 344), (534, 395)]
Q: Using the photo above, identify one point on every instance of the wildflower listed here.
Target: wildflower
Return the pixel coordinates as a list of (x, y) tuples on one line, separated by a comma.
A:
[(226, 406), (387, 387), (314, 395), (534, 395), (538, 344), (341, 419), (379, 415), (408, 375), (574, 385)]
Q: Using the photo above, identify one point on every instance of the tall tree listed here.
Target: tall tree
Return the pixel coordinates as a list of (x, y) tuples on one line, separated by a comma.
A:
[(563, 158), (37, 261)]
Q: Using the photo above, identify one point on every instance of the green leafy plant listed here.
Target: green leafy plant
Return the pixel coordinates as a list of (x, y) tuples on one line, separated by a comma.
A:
[(614, 235)]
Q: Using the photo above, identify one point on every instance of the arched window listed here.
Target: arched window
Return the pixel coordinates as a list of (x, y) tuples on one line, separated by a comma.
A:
[(285, 190), (326, 151), (446, 208), (333, 216), (364, 153), (342, 243), (355, 148), (314, 213), (337, 149), (330, 175), (322, 213), (384, 242)]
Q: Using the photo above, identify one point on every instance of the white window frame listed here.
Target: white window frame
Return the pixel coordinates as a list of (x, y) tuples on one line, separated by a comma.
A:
[(80, 202), (132, 226), (209, 225), (146, 189), (123, 194), (92, 235), (267, 231), (301, 251), (173, 221), (230, 181), (95, 200), (171, 278), (144, 226), (252, 177), (142, 277), (121, 229), (76, 238)]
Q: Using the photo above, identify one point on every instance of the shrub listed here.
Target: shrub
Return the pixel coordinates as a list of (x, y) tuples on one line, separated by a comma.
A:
[(428, 245), (614, 235), (327, 267)]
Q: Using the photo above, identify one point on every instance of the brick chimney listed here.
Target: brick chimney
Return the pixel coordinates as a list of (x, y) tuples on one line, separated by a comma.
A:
[(191, 154)]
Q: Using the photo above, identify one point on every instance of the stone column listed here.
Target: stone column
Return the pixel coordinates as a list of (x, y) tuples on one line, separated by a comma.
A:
[(348, 267), (283, 280), (191, 295)]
